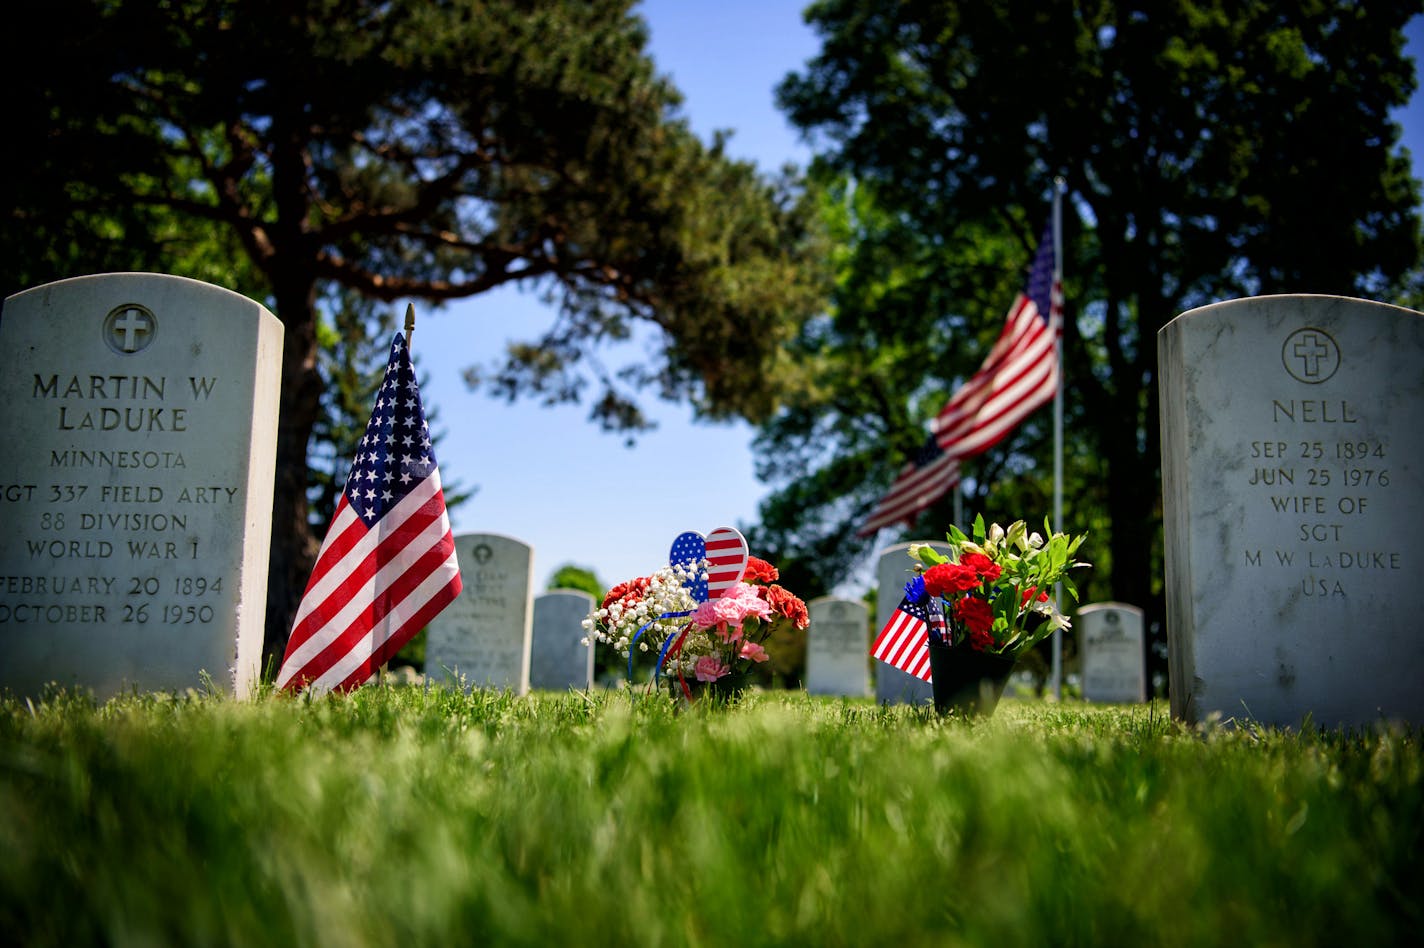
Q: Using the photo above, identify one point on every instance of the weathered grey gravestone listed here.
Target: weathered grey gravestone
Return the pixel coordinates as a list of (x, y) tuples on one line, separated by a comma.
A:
[(837, 643), (558, 659), (1293, 489), (136, 484), (1114, 652), (892, 571), (482, 639)]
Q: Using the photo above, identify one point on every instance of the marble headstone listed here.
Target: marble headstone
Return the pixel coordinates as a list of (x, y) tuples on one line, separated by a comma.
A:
[(1114, 652), (136, 484), (837, 642), (558, 658), (893, 570), (1293, 499), (482, 639)]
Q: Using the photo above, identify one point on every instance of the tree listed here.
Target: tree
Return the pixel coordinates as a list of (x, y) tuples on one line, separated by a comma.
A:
[(1204, 147), (415, 149)]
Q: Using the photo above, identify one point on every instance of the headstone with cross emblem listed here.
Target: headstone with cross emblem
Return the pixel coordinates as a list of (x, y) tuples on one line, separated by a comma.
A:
[(483, 638), (136, 486), (1293, 499), (837, 642), (1113, 652)]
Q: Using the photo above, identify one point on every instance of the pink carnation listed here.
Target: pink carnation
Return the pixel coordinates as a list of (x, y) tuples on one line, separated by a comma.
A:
[(709, 668), (753, 651), (726, 612)]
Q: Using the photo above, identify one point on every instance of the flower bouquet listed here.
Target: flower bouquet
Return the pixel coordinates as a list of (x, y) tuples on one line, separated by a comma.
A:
[(967, 616), (704, 616)]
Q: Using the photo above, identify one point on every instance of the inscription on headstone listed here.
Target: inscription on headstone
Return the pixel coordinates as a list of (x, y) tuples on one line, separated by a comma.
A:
[(136, 484), (1114, 652), (1293, 489), (892, 571), (558, 658), (483, 638), (837, 641)]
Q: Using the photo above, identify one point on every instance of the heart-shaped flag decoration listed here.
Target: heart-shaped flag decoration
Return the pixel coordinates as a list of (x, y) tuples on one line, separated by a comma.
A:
[(687, 549), (726, 560)]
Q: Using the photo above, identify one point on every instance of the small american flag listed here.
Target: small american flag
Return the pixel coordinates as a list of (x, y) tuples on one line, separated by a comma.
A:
[(726, 560), (387, 566), (904, 643), (1019, 374)]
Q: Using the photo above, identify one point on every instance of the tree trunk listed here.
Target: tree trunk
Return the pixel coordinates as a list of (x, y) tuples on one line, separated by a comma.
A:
[(294, 542)]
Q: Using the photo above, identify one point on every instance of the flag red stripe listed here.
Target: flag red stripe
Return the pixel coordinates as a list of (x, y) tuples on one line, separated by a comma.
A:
[(1014, 373), (394, 578), (913, 491), (347, 562), (405, 616), (904, 644), (358, 601), (362, 580)]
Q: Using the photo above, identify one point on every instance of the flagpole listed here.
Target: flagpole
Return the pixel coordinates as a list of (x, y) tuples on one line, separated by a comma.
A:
[(1058, 187), (384, 670)]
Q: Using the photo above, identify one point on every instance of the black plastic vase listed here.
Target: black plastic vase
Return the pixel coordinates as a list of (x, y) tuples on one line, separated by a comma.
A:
[(966, 681)]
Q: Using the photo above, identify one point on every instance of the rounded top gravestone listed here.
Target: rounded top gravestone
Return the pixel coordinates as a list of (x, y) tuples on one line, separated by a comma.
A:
[(483, 638), (1293, 495), (141, 427)]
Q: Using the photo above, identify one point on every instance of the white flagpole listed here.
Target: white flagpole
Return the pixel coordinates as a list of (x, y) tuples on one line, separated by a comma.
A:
[(1058, 187)]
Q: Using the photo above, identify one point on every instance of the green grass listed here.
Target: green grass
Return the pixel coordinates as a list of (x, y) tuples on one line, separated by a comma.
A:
[(406, 817)]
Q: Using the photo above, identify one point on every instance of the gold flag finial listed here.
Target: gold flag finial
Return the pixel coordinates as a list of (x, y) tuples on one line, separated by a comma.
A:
[(409, 322)]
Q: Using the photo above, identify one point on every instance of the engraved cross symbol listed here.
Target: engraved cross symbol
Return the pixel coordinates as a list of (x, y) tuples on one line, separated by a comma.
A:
[(1310, 350), (134, 322)]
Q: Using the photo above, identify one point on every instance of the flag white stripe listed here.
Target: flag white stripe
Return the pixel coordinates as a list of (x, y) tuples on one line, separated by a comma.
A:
[(335, 573), (428, 589), (338, 572)]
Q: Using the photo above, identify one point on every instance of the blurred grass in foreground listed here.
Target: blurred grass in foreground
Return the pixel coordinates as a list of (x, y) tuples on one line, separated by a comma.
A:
[(399, 816)]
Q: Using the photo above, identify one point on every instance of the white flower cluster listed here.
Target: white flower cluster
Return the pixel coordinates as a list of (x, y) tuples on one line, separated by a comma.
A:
[(666, 593)]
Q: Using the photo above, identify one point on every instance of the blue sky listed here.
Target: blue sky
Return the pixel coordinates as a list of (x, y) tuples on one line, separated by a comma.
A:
[(548, 476)]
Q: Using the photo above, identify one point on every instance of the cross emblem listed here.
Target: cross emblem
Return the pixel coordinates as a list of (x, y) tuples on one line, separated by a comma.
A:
[(134, 322), (129, 328), (1310, 350), (1310, 355)]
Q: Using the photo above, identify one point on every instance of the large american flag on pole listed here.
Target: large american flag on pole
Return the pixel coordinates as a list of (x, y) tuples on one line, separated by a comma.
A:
[(923, 480), (1019, 375), (387, 566)]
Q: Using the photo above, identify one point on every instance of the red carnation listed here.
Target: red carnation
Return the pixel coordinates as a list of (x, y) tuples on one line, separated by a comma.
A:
[(1032, 592), (974, 614), (786, 604), (986, 568), (981, 641), (948, 578), (627, 593), (760, 571)]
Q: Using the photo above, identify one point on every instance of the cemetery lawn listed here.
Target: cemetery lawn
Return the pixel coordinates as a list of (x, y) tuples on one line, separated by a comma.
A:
[(405, 817)]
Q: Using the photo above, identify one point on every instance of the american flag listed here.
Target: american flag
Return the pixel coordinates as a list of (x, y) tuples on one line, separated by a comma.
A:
[(1019, 375), (904, 643), (726, 560), (387, 566), (1021, 372), (925, 479)]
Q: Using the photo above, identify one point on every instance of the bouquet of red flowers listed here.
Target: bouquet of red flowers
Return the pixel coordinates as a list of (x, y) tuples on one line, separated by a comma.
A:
[(996, 586)]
